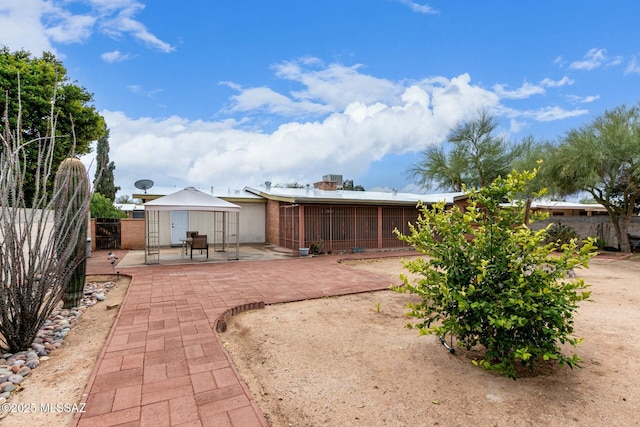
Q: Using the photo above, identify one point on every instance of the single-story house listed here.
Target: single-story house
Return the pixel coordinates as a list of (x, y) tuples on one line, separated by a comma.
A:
[(326, 218)]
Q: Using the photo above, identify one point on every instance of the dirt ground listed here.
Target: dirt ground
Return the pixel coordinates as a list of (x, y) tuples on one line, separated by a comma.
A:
[(348, 361), (64, 376)]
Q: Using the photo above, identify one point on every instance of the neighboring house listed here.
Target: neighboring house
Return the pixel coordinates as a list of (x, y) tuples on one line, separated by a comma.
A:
[(328, 219), (132, 210)]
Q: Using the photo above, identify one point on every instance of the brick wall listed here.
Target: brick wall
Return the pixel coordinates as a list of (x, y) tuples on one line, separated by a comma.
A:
[(132, 233), (272, 222), (591, 226)]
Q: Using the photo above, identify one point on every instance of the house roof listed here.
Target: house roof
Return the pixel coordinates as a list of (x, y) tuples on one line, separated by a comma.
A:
[(233, 196), (314, 195), (560, 205), (191, 199)]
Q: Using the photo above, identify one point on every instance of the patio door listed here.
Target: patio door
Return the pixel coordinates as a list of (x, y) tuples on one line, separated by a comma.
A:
[(179, 226)]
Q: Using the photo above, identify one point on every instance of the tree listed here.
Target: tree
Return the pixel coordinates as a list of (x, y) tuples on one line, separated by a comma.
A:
[(124, 200), (349, 185), (38, 253), (32, 86), (603, 159), (476, 157), (101, 207), (104, 180), (491, 280)]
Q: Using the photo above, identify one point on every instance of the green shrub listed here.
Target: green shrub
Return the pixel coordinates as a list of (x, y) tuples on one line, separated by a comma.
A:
[(562, 234), (101, 207), (490, 280)]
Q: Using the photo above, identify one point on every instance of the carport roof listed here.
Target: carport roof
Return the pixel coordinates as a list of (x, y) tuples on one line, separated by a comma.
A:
[(191, 199)]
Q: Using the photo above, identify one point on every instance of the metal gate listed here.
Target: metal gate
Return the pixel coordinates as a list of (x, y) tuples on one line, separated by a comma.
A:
[(108, 233)]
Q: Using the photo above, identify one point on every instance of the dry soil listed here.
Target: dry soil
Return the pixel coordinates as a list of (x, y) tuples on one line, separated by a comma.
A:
[(349, 361)]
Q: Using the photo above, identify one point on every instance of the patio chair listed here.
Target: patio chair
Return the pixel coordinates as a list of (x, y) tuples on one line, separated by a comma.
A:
[(200, 242)]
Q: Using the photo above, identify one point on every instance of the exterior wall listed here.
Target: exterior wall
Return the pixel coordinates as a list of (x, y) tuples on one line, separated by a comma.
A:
[(252, 222), (251, 218), (272, 222), (598, 226), (131, 233), (334, 228)]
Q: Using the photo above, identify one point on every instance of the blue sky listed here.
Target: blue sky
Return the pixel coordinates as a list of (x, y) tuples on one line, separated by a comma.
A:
[(235, 93)]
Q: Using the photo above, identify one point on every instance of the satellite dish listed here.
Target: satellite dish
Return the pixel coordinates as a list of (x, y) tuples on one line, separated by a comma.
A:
[(144, 184)]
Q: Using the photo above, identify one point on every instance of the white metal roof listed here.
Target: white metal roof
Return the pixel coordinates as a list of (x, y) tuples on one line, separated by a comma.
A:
[(191, 199), (314, 195)]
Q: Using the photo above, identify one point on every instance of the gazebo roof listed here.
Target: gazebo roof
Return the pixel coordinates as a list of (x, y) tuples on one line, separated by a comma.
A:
[(191, 199)]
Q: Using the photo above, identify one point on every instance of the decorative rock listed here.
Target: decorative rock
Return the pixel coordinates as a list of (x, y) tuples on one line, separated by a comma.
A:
[(14, 367), (16, 379)]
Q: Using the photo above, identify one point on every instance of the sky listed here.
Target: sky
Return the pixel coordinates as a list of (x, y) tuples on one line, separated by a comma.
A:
[(220, 95)]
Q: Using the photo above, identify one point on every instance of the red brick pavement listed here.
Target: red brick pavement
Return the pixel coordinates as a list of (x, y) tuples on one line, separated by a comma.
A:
[(163, 363)]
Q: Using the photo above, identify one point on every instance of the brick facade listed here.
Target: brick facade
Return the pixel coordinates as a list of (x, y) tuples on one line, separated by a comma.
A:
[(272, 222), (131, 233)]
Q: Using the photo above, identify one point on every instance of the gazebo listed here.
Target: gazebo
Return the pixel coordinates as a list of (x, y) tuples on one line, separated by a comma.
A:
[(220, 217)]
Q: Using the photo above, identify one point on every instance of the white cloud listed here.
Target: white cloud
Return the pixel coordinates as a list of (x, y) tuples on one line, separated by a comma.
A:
[(556, 83), (417, 7), (525, 91), (582, 99), (114, 56), (549, 114), (335, 85), (37, 25), (336, 118), (223, 154), (594, 58), (633, 67), (124, 23), (21, 26), (528, 89)]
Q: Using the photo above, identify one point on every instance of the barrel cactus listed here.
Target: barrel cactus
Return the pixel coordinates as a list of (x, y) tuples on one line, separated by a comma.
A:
[(72, 196)]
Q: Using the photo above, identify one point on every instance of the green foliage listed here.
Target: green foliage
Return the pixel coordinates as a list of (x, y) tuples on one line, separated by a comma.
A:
[(491, 281), (72, 192), (602, 158), (40, 89), (348, 184), (476, 157), (101, 207), (562, 234), (104, 179), (124, 200)]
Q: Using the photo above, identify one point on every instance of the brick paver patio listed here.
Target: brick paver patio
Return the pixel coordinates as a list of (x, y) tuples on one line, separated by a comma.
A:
[(163, 363)]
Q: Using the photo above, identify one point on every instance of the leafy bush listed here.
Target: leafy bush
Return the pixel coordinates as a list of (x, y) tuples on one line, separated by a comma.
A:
[(562, 234), (491, 281), (101, 207)]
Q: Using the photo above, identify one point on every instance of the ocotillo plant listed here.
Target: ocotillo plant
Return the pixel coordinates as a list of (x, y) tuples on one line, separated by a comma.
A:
[(35, 262), (72, 195)]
